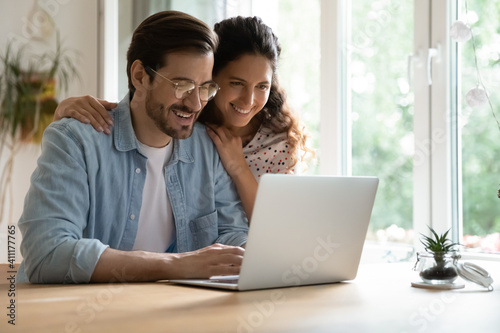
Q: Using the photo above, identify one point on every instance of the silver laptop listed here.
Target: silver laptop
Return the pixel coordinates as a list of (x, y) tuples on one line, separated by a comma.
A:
[(304, 230)]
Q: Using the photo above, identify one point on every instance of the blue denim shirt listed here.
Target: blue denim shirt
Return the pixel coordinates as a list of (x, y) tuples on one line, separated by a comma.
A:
[(86, 195)]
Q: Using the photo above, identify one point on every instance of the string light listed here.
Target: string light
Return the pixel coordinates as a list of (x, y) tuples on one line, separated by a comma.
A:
[(460, 32), (477, 96)]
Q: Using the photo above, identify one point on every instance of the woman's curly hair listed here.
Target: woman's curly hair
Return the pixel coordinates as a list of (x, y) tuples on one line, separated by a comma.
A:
[(239, 36)]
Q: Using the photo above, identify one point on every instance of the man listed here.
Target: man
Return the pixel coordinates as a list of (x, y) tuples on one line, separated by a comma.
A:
[(149, 201)]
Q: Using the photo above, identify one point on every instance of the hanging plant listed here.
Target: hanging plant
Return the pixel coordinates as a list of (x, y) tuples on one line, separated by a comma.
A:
[(28, 100), (28, 88)]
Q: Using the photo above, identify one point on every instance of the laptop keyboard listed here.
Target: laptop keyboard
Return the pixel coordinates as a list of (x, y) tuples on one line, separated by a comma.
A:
[(230, 281)]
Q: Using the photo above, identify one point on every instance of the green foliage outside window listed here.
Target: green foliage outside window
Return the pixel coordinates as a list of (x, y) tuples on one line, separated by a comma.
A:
[(480, 133)]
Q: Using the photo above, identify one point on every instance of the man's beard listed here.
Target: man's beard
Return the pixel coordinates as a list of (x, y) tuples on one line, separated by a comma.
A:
[(158, 114)]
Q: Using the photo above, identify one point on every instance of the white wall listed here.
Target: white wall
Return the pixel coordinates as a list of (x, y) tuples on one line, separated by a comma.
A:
[(77, 21)]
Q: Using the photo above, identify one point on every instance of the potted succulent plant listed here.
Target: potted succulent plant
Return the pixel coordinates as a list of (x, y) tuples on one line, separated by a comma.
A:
[(438, 264)]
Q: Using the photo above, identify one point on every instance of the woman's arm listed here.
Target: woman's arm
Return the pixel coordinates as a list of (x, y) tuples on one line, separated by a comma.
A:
[(247, 189), (88, 110), (231, 154)]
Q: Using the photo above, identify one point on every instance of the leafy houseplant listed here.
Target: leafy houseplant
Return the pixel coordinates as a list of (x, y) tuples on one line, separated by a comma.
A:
[(27, 101), (438, 264)]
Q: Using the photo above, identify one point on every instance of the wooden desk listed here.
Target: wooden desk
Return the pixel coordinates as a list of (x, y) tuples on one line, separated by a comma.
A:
[(380, 299)]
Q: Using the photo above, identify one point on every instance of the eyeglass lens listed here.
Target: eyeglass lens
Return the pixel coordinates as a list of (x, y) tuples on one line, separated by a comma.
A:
[(184, 88)]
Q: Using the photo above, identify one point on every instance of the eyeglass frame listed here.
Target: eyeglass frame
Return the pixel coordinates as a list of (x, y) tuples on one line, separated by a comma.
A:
[(188, 92)]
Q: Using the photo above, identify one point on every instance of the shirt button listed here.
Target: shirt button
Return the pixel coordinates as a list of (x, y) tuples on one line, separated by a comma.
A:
[(132, 216), (138, 170)]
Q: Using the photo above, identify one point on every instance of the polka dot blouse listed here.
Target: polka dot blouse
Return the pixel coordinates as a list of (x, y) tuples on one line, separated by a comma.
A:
[(268, 152)]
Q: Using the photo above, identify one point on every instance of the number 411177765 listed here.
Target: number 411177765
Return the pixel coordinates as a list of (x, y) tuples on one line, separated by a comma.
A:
[(11, 246)]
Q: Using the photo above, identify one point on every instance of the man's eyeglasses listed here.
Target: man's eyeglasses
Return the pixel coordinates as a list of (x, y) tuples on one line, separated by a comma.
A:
[(184, 88)]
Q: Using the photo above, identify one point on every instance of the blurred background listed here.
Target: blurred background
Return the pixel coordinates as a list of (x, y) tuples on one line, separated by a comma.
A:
[(376, 101)]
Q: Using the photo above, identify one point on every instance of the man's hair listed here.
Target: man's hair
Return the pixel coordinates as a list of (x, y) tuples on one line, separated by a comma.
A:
[(168, 32)]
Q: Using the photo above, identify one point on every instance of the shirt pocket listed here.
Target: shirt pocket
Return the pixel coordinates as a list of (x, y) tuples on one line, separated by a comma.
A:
[(204, 230)]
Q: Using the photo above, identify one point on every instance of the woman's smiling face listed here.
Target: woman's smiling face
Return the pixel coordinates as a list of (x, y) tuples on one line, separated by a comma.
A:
[(245, 85)]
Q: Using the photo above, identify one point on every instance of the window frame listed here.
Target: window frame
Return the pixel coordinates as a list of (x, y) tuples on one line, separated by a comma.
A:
[(335, 131), (437, 190), (445, 102)]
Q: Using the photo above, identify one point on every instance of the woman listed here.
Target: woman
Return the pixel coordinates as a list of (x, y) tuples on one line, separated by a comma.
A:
[(249, 121)]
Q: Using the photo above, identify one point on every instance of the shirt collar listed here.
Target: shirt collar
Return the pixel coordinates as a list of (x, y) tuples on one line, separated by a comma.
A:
[(123, 132), (181, 151)]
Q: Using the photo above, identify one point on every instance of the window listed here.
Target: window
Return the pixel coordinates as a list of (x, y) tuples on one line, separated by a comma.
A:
[(381, 113), (434, 154), (478, 131)]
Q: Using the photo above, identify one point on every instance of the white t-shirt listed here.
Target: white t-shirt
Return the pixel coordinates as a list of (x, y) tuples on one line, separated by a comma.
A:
[(156, 230)]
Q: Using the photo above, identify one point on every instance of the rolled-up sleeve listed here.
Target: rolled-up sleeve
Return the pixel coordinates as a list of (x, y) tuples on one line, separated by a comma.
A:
[(55, 214)]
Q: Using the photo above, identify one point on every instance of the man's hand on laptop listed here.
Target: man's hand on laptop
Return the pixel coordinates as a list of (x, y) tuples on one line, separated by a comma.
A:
[(216, 259)]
